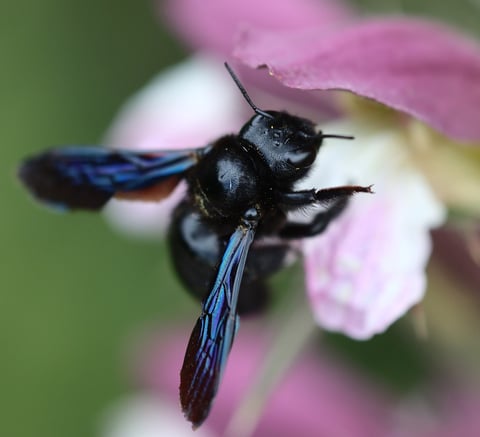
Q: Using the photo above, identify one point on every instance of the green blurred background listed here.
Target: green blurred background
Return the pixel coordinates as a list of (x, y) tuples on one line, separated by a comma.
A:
[(72, 292)]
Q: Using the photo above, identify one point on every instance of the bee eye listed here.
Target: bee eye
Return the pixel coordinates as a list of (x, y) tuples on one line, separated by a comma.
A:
[(301, 158)]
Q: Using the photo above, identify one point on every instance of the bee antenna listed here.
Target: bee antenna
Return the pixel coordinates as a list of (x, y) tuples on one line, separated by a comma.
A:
[(244, 92), (342, 137)]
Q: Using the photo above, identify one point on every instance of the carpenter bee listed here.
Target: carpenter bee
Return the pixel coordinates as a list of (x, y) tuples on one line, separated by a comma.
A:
[(240, 190)]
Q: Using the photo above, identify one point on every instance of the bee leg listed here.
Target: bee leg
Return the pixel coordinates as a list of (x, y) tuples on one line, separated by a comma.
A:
[(319, 223), (296, 199)]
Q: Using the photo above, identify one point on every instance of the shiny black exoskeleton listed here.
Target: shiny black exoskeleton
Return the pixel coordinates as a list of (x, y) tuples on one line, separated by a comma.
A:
[(230, 232), (255, 169)]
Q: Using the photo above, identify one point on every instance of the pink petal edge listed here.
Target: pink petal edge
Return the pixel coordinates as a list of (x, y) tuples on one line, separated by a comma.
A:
[(416, 66)]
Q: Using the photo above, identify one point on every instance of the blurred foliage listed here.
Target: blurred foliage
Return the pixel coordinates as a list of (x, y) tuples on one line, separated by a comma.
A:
[(71, 291)]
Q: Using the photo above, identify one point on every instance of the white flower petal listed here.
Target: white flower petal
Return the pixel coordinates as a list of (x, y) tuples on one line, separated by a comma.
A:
[(368, 268), (186, 106)]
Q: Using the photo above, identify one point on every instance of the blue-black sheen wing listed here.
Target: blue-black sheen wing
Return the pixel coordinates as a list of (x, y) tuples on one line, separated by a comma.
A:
[(213, 334), (87, 177)]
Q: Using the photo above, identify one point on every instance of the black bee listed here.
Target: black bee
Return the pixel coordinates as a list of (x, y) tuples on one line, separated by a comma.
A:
[(240, 189)]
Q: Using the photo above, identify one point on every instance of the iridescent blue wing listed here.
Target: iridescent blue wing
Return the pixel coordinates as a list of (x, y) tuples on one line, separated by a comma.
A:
[(87, 177), (213, 334)]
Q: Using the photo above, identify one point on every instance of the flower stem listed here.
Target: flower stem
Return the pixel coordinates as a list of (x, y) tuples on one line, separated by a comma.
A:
[(293, 330)]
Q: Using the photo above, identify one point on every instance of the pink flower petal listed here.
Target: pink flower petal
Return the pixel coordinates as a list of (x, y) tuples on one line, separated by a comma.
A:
[(354, 283), (212, 24), (415, 66), (368, 268)]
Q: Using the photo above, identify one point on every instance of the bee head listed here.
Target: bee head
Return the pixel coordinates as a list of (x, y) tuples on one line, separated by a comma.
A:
[(286, 143)]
